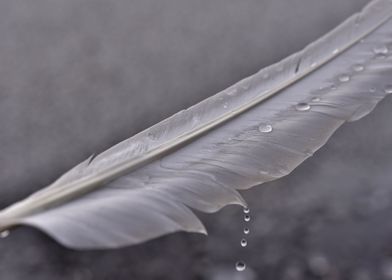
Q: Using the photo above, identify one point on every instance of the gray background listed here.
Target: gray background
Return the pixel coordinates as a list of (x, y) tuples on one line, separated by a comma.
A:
[(78, 76)]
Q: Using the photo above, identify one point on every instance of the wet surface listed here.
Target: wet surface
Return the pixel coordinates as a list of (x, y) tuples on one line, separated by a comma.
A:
[(77, 77)]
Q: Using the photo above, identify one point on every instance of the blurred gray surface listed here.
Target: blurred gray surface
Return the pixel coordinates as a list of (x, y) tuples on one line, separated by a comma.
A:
[(78, 76)]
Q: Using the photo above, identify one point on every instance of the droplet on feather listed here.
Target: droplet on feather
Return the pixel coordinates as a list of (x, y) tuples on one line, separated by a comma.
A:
[(344, 78), (265, 128), (240, 266), (381, 50), (358, 68), (303, 107), (244, 242), (388, 89)]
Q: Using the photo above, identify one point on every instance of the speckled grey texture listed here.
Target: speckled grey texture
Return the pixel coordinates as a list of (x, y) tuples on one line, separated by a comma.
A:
[(79, 76)]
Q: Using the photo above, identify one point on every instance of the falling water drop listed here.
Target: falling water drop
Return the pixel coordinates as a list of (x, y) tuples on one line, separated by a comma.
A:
[(265, 128), (358, 67), (240, 266), (303, 106), (246, 218), (246, 230), (344, 78), (244, 242), (246, 210), (381, 50), (4, 234), (388, 89)]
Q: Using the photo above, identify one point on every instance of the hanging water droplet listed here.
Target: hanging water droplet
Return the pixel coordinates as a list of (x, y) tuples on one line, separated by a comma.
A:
[(246, 218), (335, 51), (381, 50), (240, 266), (4, 234), (344, 78), (246, 230), (388, 89), (244, 242), (358, 67), (316, 99), (265, 128), (246, 210), (302, 106)]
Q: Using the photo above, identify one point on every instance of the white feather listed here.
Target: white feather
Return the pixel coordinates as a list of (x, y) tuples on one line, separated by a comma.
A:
[(256, 131)]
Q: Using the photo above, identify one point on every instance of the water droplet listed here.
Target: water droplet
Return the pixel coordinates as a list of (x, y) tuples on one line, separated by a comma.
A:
[(244, 242), (240, 266), (246, 210), (4, 234), (358, 68), (335, 51), (303, 106), (246, 230), (381, 50), (246, 218), (265, 128), (316, 99), (388, 89), (344, 78)]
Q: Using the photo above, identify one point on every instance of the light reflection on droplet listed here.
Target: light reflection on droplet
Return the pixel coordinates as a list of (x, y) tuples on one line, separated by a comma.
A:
[(388, 89), (302, 106), (344, 78), (240, 266), (358, 68), (244, 242), (381, 50), (246, 218), (246, 210), (265, 128)]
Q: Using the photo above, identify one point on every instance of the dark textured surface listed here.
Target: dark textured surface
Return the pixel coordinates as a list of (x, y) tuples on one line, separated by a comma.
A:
[(79, 76)]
